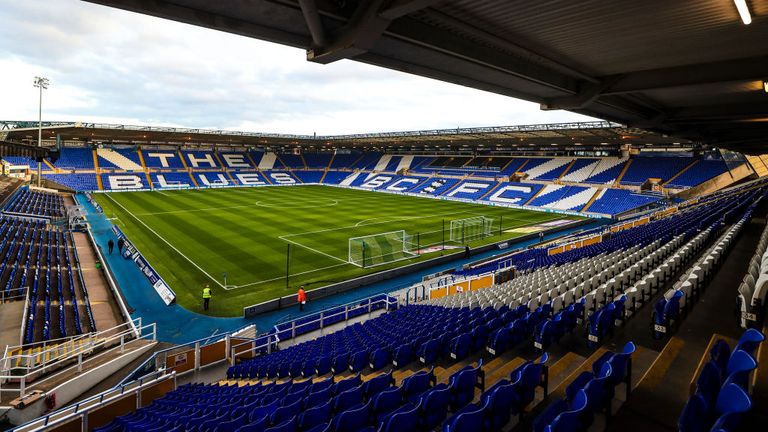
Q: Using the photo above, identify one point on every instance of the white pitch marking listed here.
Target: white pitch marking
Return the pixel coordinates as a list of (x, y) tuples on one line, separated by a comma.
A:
[(313, 250), (166, 242)]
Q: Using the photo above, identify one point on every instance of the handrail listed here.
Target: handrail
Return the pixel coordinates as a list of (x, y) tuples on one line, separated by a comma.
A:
[(124, 337), (82, 408), (54, 344)]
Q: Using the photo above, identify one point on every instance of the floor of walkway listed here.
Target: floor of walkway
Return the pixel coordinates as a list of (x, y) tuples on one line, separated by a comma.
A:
[(11, 316)]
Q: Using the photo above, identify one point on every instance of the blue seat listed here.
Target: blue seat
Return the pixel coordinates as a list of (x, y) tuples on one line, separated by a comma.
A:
[(599, 391), (259, 425), (353, 419), (468, 419), (500, 402), (316, 415), (286, 412), (323, 365), (720, 354), (402, 355), (434, 406), (530, 376), (429, 351), (322, 427), (740, 366), (404, 419), (416, 384), (264, 411), (386, 402), (347, 399), (694, 416), (317, 398), (479, 337), (321, 385), (358, 361), (462, 385), (573, 419), (749, 341), (346, 384), (498, 341), (709, 382), (621, 367), (550, 413), (461, 346), (289, 425), (340, 363), (379, 358), (378, 384)]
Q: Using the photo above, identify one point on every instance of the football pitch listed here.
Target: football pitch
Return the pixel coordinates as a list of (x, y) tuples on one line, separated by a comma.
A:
[(194, 237)]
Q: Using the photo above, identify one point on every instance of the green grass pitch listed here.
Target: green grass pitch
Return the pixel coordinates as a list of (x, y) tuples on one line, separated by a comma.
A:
[(191, 237)]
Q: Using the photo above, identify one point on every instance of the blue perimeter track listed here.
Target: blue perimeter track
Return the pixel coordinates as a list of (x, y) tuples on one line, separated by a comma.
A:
[(178, 325)]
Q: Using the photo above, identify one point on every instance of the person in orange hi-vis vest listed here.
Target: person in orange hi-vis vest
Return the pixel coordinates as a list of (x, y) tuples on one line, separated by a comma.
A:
[(302, 298)]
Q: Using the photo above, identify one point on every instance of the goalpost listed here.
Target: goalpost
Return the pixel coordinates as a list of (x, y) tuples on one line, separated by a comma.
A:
[(379, 249), (472, 228)]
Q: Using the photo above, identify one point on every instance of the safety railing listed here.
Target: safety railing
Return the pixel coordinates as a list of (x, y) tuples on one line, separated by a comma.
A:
[(30, 368), (78, 413), (333, 315), (194, 355)]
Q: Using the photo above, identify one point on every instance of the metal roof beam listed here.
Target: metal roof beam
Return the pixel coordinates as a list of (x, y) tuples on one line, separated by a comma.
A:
[(364, 28), (743, 111), (744, 69)]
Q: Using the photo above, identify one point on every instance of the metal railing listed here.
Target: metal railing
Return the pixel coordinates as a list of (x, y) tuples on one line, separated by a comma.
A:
[(290, 327), (28, 366), (157, 361), (81, 409)]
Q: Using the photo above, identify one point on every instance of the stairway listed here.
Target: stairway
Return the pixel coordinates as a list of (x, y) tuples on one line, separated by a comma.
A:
[(118, 160), (268, 161), (381, 165), (350, 179)]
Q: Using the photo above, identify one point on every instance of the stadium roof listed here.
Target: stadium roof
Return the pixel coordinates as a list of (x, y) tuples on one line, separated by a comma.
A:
[(691, 69), (554, 136)]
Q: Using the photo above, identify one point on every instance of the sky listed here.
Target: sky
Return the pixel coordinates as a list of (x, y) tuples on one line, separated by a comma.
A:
[(112, 66)]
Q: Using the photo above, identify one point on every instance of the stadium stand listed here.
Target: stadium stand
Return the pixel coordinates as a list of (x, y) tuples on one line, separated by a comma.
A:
[(702, 171), (78, 182), (644, 167), (35, 203), (75, 158), (317, 160), (606, 171), (122, 159), (162, 159), (559, 183), (753, 290), (618, 201)]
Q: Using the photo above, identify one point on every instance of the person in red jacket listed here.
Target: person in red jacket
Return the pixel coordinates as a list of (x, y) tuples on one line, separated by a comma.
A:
[(301, 298)]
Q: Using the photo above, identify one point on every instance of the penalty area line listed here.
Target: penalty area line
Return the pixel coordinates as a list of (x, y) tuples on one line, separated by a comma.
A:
[(233, 287), (167, 242), (313, 250)]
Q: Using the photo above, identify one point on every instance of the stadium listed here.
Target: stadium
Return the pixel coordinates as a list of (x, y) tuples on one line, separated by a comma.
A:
[(603, 275)]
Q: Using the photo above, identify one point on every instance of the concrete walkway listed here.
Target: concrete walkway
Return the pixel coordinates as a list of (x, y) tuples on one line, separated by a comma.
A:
[(11, 316)]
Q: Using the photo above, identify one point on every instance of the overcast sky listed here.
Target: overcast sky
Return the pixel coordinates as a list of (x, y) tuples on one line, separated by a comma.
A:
[(108, 65)]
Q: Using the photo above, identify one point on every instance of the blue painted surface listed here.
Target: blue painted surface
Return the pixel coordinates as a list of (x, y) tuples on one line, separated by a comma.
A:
[(178, 325)]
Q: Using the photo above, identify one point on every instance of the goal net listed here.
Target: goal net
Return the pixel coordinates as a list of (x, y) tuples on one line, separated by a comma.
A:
[(378, 249), (473, 228)]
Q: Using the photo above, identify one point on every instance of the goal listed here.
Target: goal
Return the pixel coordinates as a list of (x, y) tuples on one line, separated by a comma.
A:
[(473, 228), (378, 249)]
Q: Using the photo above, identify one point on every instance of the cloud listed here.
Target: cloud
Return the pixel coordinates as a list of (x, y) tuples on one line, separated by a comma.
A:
[(109, 65)]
